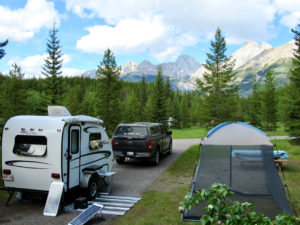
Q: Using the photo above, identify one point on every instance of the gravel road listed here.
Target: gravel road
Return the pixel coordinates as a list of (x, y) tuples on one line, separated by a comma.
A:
[(136, 176), (132, 178)]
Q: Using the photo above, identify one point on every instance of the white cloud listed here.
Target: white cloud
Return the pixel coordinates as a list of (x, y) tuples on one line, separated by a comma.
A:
[(112, 11), (21, 24), (71, 72), (126, 36), (192, 20), (288, 11), (32, 65)]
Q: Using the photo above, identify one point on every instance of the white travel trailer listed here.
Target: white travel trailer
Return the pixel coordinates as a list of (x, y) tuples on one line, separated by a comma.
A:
[(37, 150)]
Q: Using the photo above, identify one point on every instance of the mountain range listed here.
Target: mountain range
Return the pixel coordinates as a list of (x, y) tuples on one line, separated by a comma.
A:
[(251, 58)]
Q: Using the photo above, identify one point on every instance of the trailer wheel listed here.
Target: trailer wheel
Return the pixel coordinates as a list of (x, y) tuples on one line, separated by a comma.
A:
[(120, 160), (93, 187)]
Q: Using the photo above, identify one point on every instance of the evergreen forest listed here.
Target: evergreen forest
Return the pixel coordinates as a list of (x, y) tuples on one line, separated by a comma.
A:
[(113, 100)]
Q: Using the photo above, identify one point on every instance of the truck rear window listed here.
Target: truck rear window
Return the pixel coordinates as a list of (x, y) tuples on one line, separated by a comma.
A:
[(30, 145), (131, 130)]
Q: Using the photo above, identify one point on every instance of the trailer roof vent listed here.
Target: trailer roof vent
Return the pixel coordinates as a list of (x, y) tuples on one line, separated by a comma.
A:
[(58, 111)]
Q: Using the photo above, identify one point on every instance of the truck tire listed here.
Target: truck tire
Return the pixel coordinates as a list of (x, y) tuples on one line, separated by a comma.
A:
[(93, 187), (156, 158), (120, 160)]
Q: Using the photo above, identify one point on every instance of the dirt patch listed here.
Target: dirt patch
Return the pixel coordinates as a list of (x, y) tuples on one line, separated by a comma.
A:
[(31, 212)]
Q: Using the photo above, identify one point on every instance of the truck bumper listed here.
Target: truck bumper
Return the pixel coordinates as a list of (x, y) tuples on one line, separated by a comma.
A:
[(133, 154)]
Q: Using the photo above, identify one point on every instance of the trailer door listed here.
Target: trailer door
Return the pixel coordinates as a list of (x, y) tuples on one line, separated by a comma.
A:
[(74, 157)]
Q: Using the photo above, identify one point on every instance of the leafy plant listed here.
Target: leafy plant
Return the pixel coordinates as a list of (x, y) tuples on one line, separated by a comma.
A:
[(221, 210)]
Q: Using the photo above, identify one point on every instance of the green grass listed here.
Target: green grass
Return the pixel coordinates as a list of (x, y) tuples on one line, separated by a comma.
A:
[(187, 133), (200, 132), (280, 131), (291, 171), (161, 207), (185, 165)]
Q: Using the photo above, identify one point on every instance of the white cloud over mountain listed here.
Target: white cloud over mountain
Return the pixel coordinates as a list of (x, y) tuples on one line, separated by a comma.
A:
[(289, 11), (21, 24), (32, 65), (165, 22)]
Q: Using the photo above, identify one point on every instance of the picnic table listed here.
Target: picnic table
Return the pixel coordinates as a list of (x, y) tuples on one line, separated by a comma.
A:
[(280, 156)]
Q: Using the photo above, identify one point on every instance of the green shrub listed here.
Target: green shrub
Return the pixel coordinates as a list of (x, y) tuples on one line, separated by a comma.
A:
[(221, 210)]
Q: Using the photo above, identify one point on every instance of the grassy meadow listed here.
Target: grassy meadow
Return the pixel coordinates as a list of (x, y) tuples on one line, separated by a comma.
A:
[(160, 205), (291, 172), (200, 132)]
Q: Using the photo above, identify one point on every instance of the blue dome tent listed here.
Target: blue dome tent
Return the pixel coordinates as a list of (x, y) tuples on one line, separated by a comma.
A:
[(240, 156)]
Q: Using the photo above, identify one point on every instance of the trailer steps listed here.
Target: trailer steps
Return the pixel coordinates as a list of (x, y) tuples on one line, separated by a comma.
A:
[(53, 199), (116, 205)]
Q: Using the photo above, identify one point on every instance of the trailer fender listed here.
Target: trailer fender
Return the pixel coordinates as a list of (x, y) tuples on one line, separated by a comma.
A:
[(84, 182)]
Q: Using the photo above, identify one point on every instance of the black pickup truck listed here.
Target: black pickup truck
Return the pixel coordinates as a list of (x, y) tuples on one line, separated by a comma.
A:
[(140, 141)]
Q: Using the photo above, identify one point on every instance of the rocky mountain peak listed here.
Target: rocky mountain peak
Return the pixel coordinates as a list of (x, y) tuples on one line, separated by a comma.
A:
[(248, 51), (146, 67), (187, 63), (129, 67)]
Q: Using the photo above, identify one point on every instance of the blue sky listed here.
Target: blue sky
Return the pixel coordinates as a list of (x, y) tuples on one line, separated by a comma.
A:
[(137, 30)]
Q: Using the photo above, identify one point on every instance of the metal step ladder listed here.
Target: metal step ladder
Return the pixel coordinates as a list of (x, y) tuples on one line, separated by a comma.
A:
[(53, 199), (116, 205)]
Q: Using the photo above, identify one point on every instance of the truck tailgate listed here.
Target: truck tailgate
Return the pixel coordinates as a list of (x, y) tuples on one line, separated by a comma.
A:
[(130, 144)]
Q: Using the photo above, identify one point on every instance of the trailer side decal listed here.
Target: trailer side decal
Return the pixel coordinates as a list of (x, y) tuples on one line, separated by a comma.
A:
[(25, 164)]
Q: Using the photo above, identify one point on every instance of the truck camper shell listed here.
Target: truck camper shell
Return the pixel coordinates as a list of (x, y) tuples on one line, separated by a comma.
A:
[(37, 150)]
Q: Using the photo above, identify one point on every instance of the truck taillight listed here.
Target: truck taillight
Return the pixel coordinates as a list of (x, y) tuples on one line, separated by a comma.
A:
[(112, 142), (55, 175), (6, 172), (150, 145)]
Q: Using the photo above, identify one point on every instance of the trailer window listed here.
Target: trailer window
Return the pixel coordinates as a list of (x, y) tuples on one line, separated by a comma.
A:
[(74, 141), (30, 145), (95, 141)]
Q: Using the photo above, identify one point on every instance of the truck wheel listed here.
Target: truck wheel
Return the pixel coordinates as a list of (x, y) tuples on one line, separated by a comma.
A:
[(120, 160), (156, 158), (93, 187)]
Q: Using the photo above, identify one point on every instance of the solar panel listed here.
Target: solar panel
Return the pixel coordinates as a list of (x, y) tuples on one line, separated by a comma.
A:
[(53, 199), (86, 215)]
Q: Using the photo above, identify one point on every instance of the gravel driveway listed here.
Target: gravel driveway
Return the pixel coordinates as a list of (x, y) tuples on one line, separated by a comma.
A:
[(132, 178)]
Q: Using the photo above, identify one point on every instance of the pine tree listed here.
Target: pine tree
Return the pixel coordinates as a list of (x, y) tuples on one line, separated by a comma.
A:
[(218, 83), (2, 52), (176, 112), (16, 71), (131, 108), (143, 97), (255, 111), (149, 108), (160, 113), (109, 106), (13, 95), (184, 111), (74, 99), (294, 97), (52, 70), (269, 100), (169, 97), (88, 106)]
